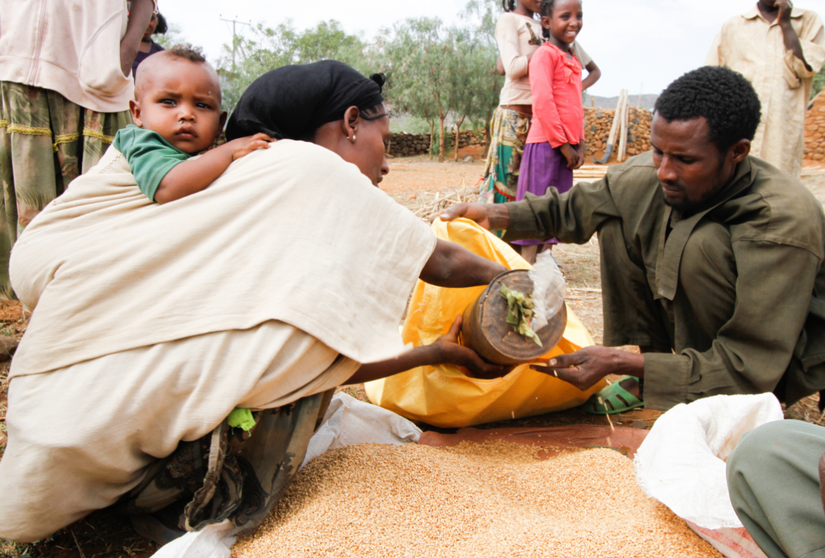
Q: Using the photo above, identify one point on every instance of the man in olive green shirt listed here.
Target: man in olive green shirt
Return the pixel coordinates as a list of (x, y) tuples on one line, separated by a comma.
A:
[(711, 259)]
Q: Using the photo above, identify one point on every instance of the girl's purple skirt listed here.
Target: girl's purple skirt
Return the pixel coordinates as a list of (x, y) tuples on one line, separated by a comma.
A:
[(542, 167)]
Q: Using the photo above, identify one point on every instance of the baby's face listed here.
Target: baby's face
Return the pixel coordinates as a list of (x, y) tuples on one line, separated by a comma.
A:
[(181, 101)]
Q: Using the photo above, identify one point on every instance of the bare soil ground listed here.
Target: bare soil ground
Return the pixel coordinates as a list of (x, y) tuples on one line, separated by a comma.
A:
[(420, 184)]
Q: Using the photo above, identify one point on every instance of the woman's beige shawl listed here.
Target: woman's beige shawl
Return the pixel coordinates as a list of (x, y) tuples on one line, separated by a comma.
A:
[(291, 233)]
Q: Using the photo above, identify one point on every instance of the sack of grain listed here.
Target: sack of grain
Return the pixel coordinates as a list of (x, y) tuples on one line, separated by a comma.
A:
[(681, 463)]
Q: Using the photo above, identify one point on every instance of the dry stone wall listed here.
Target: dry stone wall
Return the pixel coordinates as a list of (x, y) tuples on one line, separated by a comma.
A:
[(409, 145), (815, 131), (597, 132), (597, 123)]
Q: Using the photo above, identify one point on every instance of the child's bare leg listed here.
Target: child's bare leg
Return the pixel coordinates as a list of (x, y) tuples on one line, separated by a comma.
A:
[(529, 253)]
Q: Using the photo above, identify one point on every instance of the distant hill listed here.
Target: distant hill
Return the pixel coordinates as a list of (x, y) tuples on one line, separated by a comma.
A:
[(647, 101)]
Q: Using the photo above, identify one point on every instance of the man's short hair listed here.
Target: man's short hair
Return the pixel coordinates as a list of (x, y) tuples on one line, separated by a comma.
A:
[(187, 52), (724, 98)]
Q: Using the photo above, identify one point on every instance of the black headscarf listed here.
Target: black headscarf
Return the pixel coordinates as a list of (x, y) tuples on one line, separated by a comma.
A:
[(292, 102)]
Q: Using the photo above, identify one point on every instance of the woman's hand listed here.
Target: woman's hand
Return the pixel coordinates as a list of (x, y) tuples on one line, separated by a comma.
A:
[(445, 350), (584, 368), (571, 155), (451, 352)]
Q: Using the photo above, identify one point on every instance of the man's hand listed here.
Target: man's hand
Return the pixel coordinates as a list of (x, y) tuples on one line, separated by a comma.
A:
[(785, 8), (451, 352), (243, 146), (584, 368), (571, 155), (490, 216), (789, 36)]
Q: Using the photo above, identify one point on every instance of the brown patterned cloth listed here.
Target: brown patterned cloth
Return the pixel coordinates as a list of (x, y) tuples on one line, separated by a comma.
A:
[(227, 474)]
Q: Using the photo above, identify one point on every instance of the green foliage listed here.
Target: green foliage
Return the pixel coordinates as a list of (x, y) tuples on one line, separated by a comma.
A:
[(819, 83), (481, 16), (171, 38), (329, 41), (410, 124), (437, 75), (418, 62), (267, 48), (438, 72)]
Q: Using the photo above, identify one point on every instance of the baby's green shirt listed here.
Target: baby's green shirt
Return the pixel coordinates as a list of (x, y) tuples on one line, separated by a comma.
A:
[(150, 156)]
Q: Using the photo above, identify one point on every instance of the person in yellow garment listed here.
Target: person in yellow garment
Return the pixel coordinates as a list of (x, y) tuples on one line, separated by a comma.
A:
[(779, 48), (151, 323)]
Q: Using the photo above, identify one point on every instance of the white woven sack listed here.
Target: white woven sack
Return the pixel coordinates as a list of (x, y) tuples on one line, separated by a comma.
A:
[(213, 541), (681, 463), (732, 543), (349, 422)]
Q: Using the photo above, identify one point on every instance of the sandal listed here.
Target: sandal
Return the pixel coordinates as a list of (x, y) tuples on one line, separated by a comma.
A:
[(618, 398)]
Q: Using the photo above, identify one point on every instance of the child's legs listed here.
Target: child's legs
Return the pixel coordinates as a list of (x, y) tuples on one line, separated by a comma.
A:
[(542, 167)]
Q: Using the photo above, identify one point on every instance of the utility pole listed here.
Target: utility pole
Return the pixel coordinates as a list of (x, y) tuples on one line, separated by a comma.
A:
[(234, 22)]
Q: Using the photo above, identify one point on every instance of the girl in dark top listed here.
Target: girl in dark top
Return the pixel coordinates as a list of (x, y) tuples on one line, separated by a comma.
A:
[(148, 47)]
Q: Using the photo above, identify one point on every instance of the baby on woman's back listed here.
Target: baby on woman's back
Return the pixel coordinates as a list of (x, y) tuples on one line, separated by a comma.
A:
[(177, 112)]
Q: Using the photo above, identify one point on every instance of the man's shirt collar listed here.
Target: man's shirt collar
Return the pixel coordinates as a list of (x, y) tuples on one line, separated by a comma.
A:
[(755, 13)]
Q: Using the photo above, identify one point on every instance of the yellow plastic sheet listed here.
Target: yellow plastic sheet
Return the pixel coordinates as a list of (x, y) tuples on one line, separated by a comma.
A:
[(443, 395)]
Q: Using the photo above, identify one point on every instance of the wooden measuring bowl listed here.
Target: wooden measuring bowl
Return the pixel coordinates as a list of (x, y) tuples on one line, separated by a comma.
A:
[(486, 331)]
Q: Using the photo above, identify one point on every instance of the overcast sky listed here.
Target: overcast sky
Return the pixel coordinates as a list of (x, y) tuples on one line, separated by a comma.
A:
[(640, 45)]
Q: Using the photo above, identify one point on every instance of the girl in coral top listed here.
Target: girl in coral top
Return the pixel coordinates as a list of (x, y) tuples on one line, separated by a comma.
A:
[(555, 143)]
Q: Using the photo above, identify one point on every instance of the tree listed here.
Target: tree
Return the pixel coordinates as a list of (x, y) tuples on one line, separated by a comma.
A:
[(481, 17), (267, 48), (329, 42), (474, 83), (247, 59), (418, 55), (172, 37)]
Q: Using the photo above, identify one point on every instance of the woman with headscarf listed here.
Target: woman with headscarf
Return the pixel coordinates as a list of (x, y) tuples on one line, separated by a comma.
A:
[(151, 323)]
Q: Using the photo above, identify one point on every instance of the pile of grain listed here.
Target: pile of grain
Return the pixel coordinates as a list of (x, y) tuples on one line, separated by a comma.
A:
[(472, 500)]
